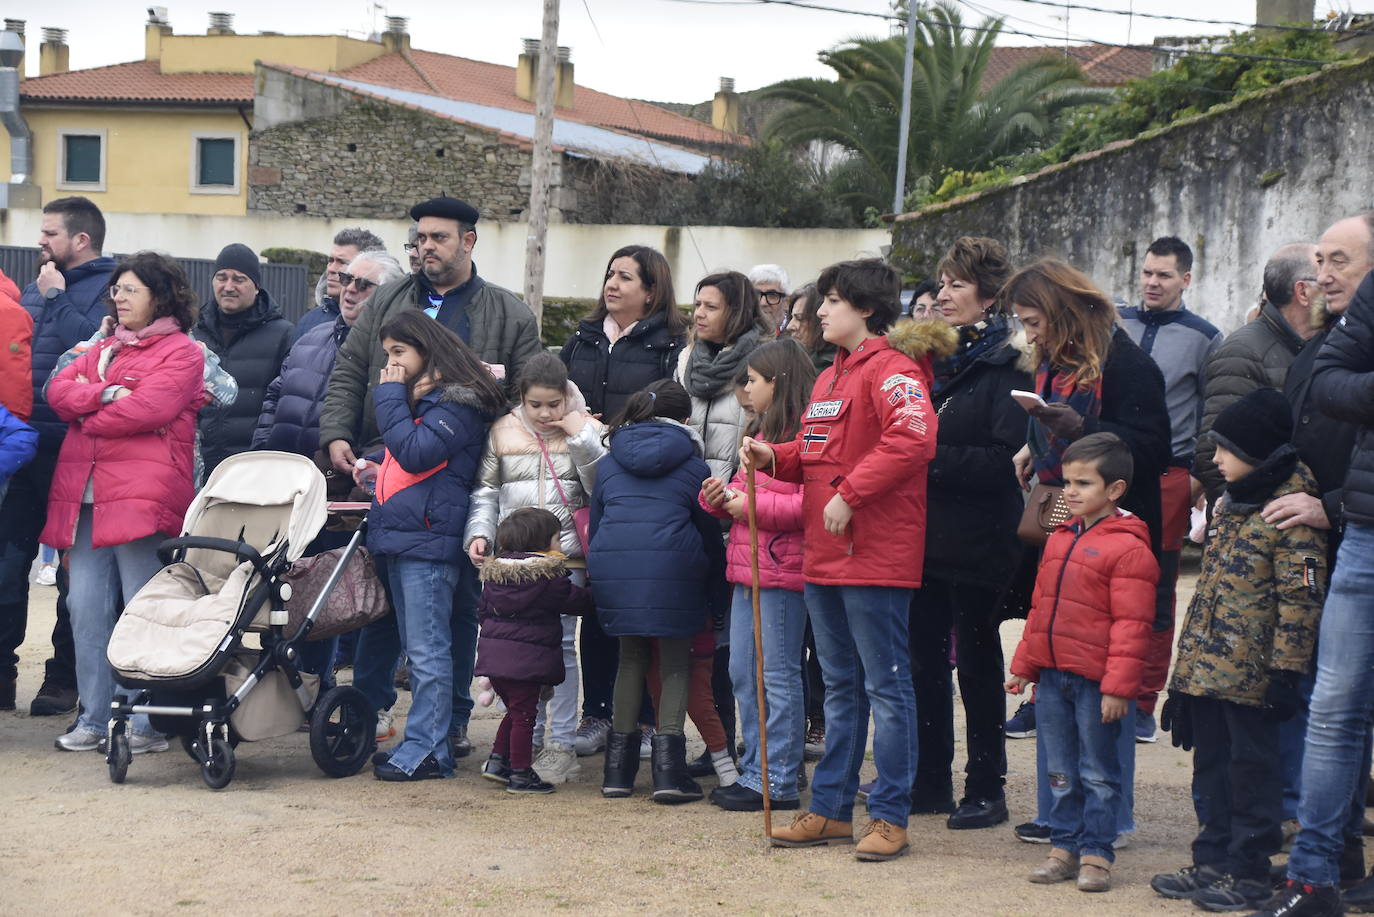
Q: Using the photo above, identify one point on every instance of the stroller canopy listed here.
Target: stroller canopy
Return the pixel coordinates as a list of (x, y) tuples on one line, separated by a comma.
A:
[(267, 479)]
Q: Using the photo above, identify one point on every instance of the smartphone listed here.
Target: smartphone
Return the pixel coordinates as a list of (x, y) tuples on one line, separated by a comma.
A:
[(1027, 400)]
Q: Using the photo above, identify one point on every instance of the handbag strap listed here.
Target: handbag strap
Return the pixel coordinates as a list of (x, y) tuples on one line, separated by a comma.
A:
[(553, 472)]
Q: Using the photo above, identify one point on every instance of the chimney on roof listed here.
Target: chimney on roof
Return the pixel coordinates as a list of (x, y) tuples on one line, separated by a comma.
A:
[(527, 73), (1277, 12), (397, 34), (53, 54), (157, 28), (725, 107), (17, 27), (221, 24)]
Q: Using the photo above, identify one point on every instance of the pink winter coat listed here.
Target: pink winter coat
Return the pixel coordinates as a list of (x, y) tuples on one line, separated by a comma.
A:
[(779, 507), (138, 452)]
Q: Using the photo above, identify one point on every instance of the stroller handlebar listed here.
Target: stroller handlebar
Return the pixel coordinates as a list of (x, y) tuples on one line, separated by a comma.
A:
[(242, 550)]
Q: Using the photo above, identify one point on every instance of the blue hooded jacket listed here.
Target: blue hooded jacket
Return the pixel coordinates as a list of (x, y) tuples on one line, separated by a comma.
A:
[(18, 441), (425, 518), (59, 324), (654, 551)]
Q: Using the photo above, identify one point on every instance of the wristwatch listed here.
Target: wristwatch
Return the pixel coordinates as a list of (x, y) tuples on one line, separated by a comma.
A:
[(53, 292)]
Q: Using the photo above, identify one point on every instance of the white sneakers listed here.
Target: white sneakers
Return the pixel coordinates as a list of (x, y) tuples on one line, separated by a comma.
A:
[(83, 739), (386, 725), (557, 763), (47, 575)]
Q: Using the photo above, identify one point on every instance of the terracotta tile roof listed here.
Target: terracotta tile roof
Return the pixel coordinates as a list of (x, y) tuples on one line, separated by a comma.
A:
[(139, 81), (494, 84), (1102, 65)]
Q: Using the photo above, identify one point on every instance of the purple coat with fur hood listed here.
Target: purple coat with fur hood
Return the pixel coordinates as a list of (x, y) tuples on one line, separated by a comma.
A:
[(522, 597)]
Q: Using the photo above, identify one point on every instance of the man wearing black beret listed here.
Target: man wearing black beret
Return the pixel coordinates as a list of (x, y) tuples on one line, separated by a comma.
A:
[(502, 331)]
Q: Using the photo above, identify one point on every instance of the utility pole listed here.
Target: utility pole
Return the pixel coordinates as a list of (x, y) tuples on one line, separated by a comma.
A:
[(904, 137), (542, 162)]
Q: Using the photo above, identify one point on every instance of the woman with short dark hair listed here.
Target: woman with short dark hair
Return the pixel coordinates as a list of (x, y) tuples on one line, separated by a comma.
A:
[(124, 475)]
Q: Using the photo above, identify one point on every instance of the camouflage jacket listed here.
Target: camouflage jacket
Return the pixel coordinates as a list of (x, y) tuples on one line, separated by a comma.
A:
[(1257, 602)]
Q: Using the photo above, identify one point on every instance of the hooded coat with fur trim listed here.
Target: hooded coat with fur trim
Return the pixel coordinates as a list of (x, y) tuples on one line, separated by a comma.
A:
[(421, 507), (869, 436), (522, 636)]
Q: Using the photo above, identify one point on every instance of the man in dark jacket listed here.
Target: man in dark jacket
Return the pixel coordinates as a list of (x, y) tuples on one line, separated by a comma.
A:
[(251, 337), (67, 303), (1258, 354), (348, 244), (1336, 757)]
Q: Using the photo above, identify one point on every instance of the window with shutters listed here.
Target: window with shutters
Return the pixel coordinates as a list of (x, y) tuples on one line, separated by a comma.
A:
[(81, 159), (214, 163)]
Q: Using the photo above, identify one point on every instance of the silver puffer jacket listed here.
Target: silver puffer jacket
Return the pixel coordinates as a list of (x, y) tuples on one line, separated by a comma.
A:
[(719, 421), (514, 474)]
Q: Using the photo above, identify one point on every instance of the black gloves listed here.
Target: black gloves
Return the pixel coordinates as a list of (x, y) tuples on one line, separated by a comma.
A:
[(1281, 699), (1060, 419), (1177, 719)]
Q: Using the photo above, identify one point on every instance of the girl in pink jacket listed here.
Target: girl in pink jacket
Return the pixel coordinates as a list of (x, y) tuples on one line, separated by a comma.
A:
[(124, 475), (781, 376)]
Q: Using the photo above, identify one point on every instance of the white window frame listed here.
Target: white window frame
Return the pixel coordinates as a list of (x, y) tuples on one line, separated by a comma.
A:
[(194, 178), (62, 134)]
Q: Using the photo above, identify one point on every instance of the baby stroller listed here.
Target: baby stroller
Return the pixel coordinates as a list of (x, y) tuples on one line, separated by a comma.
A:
[(180, 641)]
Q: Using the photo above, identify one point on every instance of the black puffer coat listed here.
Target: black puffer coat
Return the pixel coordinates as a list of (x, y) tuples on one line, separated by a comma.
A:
[(251, 347), (1344, 389), (1324, 443), (608, 376)]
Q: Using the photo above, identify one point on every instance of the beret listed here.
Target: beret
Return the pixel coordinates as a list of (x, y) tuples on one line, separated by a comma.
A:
[(447, 208)]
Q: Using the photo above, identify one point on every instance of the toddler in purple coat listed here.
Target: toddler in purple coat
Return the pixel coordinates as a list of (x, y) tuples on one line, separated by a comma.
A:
[(520, 649)]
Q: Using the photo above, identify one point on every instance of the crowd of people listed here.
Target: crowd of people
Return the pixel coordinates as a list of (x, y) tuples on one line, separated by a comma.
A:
[(576, 527)]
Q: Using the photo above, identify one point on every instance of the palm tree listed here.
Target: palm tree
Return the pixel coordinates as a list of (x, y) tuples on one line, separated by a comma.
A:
[(954, 123)]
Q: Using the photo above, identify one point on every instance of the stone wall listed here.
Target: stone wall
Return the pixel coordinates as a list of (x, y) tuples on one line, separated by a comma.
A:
[(1235, 183)]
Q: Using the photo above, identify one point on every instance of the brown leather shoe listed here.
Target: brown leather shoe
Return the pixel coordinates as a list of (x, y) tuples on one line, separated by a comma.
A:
[(1059, 867), (812, 830), (1095, 874), (881, 840)]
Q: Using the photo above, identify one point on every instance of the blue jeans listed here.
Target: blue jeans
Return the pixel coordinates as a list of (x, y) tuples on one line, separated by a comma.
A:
[(378, 648), (100, 577), (782, 614), (861, 639), (1125, 756), (1338, 718), (1081, 754), (423, 592)]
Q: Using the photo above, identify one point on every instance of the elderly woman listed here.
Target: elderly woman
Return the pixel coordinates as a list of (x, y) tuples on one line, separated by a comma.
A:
[(124, 475), (973, 506)]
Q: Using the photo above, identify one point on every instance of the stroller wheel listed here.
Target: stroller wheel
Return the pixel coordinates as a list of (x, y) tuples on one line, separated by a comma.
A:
[(191, 745), (343, 731), (118, 757), (220, 771)]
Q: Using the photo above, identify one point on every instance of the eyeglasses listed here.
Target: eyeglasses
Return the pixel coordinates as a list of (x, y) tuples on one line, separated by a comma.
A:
[(126, 289), (410, 248), (772, 297), (347, 280)]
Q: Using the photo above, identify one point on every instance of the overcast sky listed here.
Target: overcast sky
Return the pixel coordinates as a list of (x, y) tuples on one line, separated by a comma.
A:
[(668, 50)]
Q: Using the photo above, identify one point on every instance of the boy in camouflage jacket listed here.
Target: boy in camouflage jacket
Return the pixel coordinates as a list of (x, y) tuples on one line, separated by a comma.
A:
[(1248, 637)]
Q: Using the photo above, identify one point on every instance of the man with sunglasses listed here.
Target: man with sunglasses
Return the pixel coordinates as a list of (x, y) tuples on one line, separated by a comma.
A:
[(348, 244)]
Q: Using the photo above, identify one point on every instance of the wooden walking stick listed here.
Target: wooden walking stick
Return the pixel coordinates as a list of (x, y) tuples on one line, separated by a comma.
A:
[(752, 497)]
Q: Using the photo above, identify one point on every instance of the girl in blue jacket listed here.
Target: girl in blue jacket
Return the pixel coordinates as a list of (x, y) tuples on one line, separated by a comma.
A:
[(434, 400), (653, 552)]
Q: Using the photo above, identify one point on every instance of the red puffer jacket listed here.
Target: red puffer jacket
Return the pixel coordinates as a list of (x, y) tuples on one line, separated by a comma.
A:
[(869, 435), (779, 511), (16, 359), (1094, 605), (138, 452)]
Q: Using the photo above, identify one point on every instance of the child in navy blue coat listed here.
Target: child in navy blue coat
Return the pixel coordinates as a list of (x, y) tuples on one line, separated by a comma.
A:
[(525, 591), (18, 441), (653, 552), (434, 401)]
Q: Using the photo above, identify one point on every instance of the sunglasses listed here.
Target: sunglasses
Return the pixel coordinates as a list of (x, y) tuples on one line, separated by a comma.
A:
[(363, 284)]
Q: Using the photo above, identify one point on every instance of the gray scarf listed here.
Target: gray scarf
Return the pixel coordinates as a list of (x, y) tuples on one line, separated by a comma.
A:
[(711, 370)]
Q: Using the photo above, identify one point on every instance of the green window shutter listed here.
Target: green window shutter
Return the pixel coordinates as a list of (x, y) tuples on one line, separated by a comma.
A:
[(82, 158), (216, 162)]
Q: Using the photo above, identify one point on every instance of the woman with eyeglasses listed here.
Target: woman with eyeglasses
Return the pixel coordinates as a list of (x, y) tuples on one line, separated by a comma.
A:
[(124, 476)]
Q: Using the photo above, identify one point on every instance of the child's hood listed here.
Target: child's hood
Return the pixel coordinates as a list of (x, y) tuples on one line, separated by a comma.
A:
[(457, 393), (1123, 523), (515, 568), (655, 448), (573, 401)]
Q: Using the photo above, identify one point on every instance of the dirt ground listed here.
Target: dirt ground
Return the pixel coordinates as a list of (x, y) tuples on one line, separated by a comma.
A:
[(284, 839)]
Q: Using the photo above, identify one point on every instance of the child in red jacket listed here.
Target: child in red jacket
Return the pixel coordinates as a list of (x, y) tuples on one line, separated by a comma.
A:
[(1085, 644)]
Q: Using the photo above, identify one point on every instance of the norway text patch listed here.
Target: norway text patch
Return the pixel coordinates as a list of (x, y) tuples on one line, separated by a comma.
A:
[(824, 410)]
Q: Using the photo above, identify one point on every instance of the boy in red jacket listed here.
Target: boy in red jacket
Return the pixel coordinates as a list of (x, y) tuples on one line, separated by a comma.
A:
[(1085, 644)]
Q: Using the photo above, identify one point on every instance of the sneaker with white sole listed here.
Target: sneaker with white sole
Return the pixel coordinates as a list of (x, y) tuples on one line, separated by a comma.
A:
[(147, 745), (591, 736), (47, 576), (1145, 732), (1022, 722), (557, 763), (646, 738), (386, 725), (80, 739)]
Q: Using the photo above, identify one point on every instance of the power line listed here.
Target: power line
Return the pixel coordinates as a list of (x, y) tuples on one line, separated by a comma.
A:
[(1231, 22)]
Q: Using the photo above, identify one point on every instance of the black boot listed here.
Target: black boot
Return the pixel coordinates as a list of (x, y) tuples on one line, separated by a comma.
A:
[(671, 783), (701, 766), (622, 763)]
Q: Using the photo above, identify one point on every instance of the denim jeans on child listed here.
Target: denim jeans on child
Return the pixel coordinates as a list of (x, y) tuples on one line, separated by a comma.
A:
[(783, 617), (1339, 716), (1125, 756), (423, 592), (100, 577), (861, 638), (1081, 757)]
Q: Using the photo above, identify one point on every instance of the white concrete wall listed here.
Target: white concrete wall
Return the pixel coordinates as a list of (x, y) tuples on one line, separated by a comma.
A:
[(576, 253)]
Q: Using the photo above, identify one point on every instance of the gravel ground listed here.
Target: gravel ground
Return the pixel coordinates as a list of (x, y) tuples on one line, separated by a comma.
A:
[(283, 839)]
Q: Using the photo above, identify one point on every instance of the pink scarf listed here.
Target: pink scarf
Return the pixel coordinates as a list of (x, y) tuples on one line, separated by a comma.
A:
[(123, 336)]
